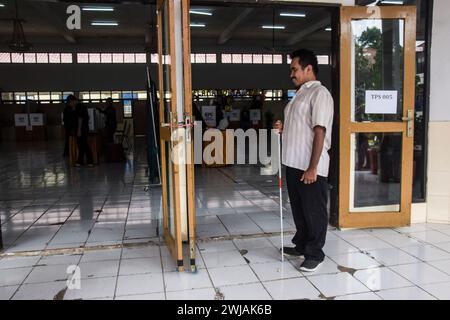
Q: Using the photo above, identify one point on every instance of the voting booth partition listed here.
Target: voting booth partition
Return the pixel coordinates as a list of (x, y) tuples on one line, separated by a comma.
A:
[(30, 127)]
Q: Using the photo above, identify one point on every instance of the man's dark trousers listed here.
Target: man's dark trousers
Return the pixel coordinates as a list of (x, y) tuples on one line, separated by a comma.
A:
[(84, 149), (309, 209)]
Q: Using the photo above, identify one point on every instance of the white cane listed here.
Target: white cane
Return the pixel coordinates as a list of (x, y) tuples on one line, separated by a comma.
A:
[(280, 184)]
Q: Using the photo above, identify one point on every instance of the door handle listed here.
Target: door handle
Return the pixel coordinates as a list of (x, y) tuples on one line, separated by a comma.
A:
[(410, 123)]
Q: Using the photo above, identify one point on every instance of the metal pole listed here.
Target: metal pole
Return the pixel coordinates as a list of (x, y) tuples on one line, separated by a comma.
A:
[(280, 184)]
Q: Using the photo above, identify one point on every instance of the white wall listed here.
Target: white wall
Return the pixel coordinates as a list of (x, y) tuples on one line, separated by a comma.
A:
[(440, 64), (438, 197)]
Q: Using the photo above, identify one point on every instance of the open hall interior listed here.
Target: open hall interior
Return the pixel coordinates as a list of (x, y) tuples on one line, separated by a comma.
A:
[(108, 220)]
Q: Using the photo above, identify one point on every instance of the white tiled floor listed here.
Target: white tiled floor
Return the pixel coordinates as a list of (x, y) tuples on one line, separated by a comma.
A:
[(109, 205), (252, 291), (340, 284), (288, 289), (410, 293), (381, 279)]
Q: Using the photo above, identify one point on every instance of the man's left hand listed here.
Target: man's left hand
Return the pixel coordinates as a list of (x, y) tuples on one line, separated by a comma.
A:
[(310, 176)]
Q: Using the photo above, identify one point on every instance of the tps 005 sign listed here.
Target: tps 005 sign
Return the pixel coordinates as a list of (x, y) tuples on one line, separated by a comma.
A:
[(381, 102)]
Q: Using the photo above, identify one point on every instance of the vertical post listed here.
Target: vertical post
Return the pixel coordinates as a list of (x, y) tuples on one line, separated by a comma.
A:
[(280, 184)]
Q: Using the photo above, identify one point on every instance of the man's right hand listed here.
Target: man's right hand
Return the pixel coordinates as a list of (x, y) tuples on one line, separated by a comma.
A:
[(278, 126)]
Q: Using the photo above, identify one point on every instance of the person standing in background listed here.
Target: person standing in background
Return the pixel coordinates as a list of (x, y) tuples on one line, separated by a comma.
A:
[(70, 122), (82, 136), (110, 120)]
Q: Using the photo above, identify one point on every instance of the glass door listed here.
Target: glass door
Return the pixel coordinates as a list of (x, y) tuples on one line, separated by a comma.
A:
[(177, 163), (377, 116)]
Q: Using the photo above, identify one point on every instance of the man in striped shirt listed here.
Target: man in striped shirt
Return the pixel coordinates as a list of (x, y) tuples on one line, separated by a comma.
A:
[(306, 138)]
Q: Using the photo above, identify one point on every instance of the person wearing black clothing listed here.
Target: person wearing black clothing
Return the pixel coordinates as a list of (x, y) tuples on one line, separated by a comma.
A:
[(110, 121), (70, 121), (82, 136)]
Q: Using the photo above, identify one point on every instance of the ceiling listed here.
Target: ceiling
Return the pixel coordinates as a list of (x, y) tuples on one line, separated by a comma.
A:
[(229, 26)]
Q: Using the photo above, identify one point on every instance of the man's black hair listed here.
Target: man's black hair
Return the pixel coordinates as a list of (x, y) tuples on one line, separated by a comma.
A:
[(307, 57)]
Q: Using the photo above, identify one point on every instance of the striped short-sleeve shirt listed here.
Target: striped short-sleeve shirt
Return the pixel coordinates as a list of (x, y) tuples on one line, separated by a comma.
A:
[(312, 106)]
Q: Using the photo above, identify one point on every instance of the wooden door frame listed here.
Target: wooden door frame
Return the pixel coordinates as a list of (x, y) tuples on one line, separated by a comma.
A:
[(190, 173), (375, 219), (173, 243)]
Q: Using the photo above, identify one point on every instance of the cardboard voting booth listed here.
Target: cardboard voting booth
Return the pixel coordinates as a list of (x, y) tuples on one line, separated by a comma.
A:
[(30, 127)]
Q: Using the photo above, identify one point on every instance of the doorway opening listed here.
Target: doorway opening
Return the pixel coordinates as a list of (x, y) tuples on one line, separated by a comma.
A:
[(240, 71)]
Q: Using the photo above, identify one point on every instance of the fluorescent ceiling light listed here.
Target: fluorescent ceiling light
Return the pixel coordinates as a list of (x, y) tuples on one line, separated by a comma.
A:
[(104, 23), (2, 5), (201, 12), (274, 27), (198, 25), (108, 9), (328, 29), (392, 1), (288, 14)]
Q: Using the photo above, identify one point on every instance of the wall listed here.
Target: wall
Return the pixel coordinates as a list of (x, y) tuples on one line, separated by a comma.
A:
[(81, 77), (343, 2), (438, 197)]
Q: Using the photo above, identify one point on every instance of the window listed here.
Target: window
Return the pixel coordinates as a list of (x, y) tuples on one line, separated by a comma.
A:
[(5, 57), (267, 59), (323, 59), (257, 58), (44, 97), (166, 59), (20, 97), (42, 57), (33, 96), (94, 58), (237, 58), (7, 96), (56, 97), (54, 58), (30, 58), (127, 109), (17, 57), (116, 95), (105, 95), (106, 58), (141, 58), (211, 58), (83, 58), (85, 95), (154, 58), (226, 58), (247, 58), (33, 58), (129, 58), (127, 104), (140, 95), (117, 57), (66, 94), (277, 59), (200, 58), (95, 96), (66, 58)]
